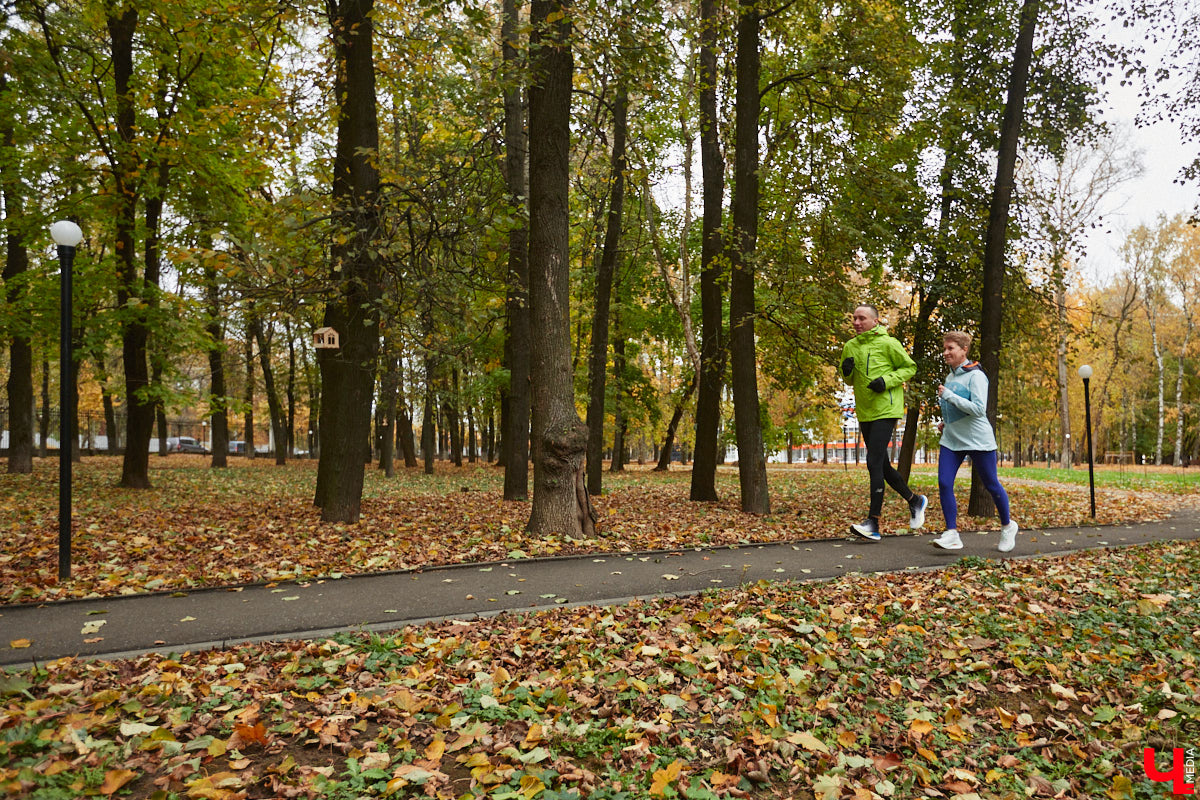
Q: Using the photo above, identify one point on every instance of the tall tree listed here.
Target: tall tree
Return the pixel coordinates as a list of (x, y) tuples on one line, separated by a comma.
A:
[(598, 357), (713, 275), (560, 499), (752, 465), (348, 374), (994, 262), (515, 403), (16, 263)]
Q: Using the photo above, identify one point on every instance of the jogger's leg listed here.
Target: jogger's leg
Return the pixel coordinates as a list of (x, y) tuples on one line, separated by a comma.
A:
[(877, 434), (948, 463), (986, 462)]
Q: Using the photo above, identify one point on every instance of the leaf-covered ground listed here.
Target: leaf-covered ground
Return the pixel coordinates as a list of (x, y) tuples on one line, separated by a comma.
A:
[(987, 680), (256, 522)]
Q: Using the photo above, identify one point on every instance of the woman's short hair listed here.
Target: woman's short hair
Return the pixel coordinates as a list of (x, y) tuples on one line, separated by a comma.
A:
[(960, 338)]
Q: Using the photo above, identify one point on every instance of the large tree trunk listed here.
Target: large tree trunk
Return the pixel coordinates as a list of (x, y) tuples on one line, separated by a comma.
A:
[(560, 500), (981, 504), (712, 275), (752, 465), (16, 262), (348, 374), (139, 408), (514, 437), (598, 359)]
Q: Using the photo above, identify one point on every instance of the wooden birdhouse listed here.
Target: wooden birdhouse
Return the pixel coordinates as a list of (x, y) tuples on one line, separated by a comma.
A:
[(326, 339)]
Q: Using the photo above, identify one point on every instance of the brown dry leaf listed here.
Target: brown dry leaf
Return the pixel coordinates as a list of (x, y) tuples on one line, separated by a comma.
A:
[(114, 779)]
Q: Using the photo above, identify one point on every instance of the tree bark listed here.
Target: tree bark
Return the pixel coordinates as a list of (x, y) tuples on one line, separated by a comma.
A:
[(560, 501), (981, 504), (248, 392), (712, 274), (139, 408), (598, 359), (514, 437), (20, 350), (664, 456), (619, 422), (348, 374), (428, 443), (274, 407), (218, 402), (752, 465)]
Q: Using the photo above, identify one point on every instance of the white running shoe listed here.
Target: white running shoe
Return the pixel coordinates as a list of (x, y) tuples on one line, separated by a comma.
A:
[(916, 509), (1008, 537), (949, 540)]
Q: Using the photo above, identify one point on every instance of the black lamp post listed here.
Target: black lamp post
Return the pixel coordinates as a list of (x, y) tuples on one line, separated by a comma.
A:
[(66, 235), (1085, 372)]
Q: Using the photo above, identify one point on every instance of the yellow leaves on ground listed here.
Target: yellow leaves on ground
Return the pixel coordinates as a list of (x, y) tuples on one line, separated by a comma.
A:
[(665, 777)]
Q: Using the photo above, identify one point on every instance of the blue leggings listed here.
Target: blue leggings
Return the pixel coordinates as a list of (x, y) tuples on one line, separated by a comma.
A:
[(985, 461)]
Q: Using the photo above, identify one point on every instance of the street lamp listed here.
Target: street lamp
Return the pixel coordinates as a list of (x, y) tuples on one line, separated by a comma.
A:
[(1085, 372), (66, 235)]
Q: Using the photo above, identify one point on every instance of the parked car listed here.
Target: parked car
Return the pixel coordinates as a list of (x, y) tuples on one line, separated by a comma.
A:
[(186, 444), (237, 448)]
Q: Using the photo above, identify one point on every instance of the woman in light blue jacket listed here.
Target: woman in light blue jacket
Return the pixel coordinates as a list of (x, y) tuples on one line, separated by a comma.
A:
[(966, 431)]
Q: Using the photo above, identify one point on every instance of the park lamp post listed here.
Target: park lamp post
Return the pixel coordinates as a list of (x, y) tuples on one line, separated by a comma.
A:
[(66, 235), (1085, 372)]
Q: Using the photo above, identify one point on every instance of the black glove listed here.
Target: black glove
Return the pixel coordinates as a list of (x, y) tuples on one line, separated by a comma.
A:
[(877, 385), (847, 366)]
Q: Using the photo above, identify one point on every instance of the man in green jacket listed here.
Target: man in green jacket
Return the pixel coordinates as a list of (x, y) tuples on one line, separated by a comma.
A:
[(877, 366)]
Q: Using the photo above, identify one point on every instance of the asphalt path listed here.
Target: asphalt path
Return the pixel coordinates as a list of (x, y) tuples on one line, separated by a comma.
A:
[(118, 627)]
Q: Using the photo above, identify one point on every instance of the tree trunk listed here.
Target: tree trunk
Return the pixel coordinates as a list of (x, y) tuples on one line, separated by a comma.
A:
[(981, 504), (248, 393), (274, 407), (560, 500), (453, 417), (664, 458), (619, 422), (348, 374), (407, 445), (514, 437), (160, 411), (139, 408), (291, 389), (218, 402), (752, 465), (1179, 407), (1064, 394), (44, 420), (712, 274), (16, 262), (428, 443), (388, 391), (598, 359)]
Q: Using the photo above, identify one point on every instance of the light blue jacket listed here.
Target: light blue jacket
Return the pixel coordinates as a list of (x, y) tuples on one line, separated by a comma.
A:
[(964, 410)]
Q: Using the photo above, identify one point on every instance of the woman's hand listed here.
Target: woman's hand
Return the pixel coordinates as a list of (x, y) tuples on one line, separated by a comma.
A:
[(941, 389)]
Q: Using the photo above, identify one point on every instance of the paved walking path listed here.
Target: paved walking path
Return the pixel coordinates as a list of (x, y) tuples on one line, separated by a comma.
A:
[(173, 623)]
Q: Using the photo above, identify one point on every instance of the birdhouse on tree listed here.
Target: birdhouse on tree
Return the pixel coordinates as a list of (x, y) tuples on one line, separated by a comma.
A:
[(326, 339)]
